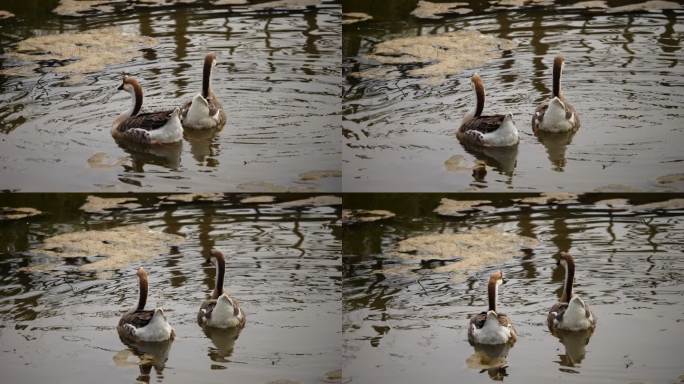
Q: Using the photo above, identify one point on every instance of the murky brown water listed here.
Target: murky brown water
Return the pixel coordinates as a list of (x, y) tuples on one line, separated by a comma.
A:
[(623, 74), (283, 265), (406, 323), (278, 78)]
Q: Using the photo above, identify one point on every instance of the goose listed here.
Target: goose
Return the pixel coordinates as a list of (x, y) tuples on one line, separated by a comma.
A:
[(571, 313), (146, 128), (204, 111), (486, 131), (221, 310), (140, 325), (490, 327), (556, 114)]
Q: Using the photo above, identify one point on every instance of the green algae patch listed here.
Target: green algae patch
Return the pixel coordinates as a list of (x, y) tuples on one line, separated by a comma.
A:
[(465, 251), (316, 201), (355, 17), (449, 207), (103, 205), (360, 216), (429, 10), (114, 248), (18, 213), (81, 52), (263, 199), (441, 54)]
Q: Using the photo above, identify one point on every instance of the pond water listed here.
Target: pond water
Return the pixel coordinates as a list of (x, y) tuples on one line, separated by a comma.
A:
[(59, 325), (405, 321), (623, 74), (278, 79)]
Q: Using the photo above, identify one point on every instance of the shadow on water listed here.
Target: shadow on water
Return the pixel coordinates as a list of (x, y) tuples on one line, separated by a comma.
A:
[(620, 75), (282, 264), (51, 122), (626, 248)]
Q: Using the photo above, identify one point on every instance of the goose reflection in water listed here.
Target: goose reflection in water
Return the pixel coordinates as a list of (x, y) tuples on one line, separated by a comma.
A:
[(204, 146), (224, 343), (556, 146), (167, 155), (150, 355), (490, 359), (575, 346), (503, 159)]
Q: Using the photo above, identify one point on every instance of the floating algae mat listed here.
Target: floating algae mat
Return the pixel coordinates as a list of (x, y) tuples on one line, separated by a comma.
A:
[(81, 52), (116, 247), (442, 54), (468, 250)]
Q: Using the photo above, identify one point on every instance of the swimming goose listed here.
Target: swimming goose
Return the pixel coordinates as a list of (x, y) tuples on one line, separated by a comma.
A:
[(556, 114), (573, 315), (221, 310), (140, 325), (204, 111), (491, 327), (486, 131), (146, 128)]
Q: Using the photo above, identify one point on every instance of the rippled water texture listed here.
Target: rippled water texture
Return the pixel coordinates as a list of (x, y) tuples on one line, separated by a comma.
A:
[(623, 74), (404, 322), (59, 325), (278, 78)]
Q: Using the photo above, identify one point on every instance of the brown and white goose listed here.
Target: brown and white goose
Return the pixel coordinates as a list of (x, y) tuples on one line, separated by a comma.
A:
[(490, 327), (556, 114), (146, 128), (221, 310), (486, 131), (204, 111), (571, 313), (140, 325)]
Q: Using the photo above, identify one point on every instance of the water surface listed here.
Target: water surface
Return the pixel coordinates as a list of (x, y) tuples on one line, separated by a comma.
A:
[(278, 78), (404, 322), (282, 264), (623, 74)]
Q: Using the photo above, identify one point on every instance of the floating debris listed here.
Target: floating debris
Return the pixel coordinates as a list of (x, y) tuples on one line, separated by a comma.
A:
[(443, 54), (472, 250), (449, 207), (96, 204), (358, 216), (114, 248), (263, 199), (355, 17), (193, 197), (428, 10), (550, 197), (316, 201), (81, 52), (648, 6), (317, 175), (17, 213), (479, 170), (5, 14), (457, 163), (102, 160), (667, 204)]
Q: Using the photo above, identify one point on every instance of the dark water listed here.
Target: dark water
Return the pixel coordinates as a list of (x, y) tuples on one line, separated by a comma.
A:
[(410, 327), (283, 265), (278, 78), (623, 74)]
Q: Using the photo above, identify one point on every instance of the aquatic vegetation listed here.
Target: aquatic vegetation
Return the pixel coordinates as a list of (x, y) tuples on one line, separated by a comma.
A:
[(96, 204), (81, 52), (441, 54), (193, 197), (317, 175), (355, 17), (457, 163), (429, 10), (449, 207), (550, 197), (465, 251), (359, 216), (102, 160), (17, 213), (114, 248)]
